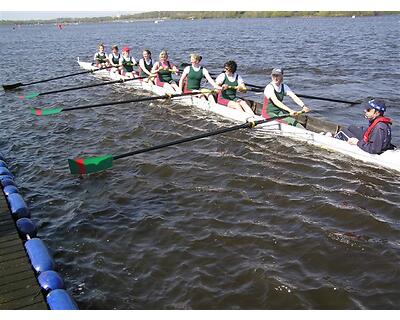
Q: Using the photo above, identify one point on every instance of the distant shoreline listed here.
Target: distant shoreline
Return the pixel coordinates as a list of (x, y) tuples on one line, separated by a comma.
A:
[(197, 15)]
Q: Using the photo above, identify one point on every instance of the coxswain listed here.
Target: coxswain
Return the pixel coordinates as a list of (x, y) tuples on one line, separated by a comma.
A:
[(163, 70), (113, 59), (273, 100), (100, 57), (377, 137), (145, 65), (127, 63), (192, 75), (231, 82)]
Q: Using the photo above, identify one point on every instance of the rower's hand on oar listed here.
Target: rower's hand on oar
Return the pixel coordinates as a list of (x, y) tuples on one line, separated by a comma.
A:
[(297, 113), (242, 89), (305, 109)]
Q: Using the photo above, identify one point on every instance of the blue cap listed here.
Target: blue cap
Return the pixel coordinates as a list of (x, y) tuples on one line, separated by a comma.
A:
[(377, 104)]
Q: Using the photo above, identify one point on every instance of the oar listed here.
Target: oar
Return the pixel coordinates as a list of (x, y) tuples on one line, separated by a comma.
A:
[(327, 99), (19, 84), (50, 111), (299, 95), (37, 94), (96, 164), (256, 89)]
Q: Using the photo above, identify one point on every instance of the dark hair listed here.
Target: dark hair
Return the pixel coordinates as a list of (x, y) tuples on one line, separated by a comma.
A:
[(231, 65), (147, 50)]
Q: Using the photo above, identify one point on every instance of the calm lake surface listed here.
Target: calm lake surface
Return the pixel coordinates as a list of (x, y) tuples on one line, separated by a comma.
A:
[(237, 221)]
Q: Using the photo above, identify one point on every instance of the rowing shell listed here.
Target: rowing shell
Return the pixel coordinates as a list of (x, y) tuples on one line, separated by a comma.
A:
[(311, 134)]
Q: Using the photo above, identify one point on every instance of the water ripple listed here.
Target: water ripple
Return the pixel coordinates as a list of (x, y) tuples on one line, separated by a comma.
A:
[(235, 221)]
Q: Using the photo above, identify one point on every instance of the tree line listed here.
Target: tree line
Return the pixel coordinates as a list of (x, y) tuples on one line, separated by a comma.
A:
[(200, 15)]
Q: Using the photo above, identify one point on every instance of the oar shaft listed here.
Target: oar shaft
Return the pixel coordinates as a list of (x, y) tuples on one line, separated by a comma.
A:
[(261, 89), (131, 101), (65, 76), (89, 86), (313, 97), (113, 103), (325, 99), (201, 136), (56, 78), (19, 84), (78, 88), (254, 86), (168, 144)]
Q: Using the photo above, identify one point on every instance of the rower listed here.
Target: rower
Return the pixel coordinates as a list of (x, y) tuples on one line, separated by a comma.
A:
[(100, 57), (377, 137), (113, 58), (192, 75), (273, 97), (127, 63), (231, 82), (164, 69), (145, 65)]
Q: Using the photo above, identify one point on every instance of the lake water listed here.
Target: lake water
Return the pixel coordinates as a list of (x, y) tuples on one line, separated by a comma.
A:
[(237, 221)]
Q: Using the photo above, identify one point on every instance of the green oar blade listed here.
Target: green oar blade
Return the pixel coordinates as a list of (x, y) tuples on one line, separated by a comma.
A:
[(90, 165), (30, 95), (45, 112)]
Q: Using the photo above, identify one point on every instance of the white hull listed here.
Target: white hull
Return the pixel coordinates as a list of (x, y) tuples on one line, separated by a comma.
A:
[(389, 159)]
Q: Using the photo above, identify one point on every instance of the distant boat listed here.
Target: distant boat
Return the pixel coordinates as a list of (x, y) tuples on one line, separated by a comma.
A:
[(158, 21), (353, 17)]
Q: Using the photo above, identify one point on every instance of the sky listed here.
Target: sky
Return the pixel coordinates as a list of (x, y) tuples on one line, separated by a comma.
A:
[(49, 9), (43, 15)]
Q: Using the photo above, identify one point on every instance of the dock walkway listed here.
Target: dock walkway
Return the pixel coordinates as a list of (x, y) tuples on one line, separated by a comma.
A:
[(19, 288)]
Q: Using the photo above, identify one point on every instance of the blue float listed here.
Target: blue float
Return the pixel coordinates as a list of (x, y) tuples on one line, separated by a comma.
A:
[(59, 299), (18, 207), (39, 255), (25, 227), (6, 181), (5, 172), (10, 189), (50, 280)]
